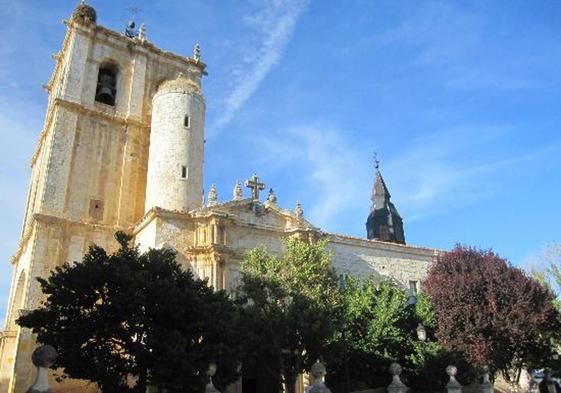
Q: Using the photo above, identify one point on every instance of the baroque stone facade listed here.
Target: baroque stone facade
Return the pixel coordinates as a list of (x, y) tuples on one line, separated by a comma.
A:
[(122, 149)]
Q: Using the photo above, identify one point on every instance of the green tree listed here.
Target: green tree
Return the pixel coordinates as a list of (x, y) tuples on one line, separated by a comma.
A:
[(290, 307), (546, 269), (380, 327), (127, 316)]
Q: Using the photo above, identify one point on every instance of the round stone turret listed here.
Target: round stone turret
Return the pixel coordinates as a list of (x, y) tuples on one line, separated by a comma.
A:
[(175, 161), (84, 13)]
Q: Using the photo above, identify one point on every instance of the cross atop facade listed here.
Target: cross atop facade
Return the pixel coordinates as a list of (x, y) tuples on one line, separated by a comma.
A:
[(255, 186)]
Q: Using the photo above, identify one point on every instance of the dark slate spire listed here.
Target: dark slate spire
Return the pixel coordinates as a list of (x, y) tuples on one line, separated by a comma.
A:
[(384, 222)]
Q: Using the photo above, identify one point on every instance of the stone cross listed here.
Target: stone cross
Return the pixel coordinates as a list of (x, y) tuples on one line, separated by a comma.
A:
[(453, 385), (255, 186), (43, 357), (396, 386)]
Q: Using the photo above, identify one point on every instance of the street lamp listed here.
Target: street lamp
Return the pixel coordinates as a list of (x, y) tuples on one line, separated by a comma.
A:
[(342, 286), (421, 332)]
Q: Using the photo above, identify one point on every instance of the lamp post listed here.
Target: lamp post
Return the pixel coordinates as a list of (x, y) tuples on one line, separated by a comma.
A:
[(342, 285), (421, 332)]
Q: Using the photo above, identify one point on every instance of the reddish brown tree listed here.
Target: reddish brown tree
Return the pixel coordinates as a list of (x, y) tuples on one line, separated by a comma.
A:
[(491, 311)]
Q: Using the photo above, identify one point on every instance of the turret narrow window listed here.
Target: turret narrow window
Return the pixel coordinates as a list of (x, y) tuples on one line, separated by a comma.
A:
[(184, 172), (187, 121), (106, 90)]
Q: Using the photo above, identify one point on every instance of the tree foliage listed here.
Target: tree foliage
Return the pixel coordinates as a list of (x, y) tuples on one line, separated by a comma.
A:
[(379, 327), (547, 270), (490, 311), (127, 316), (290, 306)]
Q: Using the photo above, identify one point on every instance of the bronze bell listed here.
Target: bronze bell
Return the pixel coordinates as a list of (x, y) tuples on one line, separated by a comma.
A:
[(106, 95), (105, 92)]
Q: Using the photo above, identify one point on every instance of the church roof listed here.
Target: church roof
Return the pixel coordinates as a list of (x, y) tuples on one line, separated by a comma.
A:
[(384, 222)]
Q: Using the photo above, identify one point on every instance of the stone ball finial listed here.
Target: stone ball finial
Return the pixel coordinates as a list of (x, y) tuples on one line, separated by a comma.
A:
[(84, 13), (451, 371), (395, 369), (318, 370), (44, 356)]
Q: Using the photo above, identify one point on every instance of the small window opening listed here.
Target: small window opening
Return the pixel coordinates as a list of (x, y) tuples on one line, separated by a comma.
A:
[(106, 90), (187, 121), (412, 288), (184, 172), (412, 292), (96, 209)]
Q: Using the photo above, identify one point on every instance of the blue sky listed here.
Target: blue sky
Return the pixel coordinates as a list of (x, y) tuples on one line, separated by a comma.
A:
[(461, 100)]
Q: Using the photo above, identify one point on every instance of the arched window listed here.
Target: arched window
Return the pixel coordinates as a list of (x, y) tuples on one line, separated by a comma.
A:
[(106, 90)]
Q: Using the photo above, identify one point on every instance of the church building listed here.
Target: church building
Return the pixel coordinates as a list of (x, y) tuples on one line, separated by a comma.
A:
[(122, 148)]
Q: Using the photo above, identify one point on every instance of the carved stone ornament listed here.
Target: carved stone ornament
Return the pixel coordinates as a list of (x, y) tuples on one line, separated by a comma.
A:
[(84, 14), (318, 373), (212, 196), (197, 52), (43, 357), (453, 385), (237, 193), (298, 211), (486, 385), (396, 386), (271, 198), (210, 388)]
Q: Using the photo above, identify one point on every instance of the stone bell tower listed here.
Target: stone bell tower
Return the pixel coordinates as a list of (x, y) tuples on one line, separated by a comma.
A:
[(175, 164), (89, 169)]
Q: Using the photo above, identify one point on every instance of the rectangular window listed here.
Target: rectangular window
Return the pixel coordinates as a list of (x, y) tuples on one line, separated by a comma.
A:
[(184, 172), (187, 121)]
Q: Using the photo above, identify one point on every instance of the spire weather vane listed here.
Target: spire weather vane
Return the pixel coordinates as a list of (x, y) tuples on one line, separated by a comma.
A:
[(376, 160), (131, 31)]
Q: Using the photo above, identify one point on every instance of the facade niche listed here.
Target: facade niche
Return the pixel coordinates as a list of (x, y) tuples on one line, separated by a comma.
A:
[(106, 90)]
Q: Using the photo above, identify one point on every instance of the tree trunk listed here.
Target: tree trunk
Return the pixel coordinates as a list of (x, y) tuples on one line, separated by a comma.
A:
[(289, 383)]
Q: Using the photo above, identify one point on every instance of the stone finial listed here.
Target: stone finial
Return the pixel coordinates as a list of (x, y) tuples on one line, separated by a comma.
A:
[(453, 385), (237, 193), (197, 52), (43, 357), (396, 386), (210, 388), (212, 196), (84, 14), (486, 385), (318, 373), (142, 32), (271, 198), (299, 211)]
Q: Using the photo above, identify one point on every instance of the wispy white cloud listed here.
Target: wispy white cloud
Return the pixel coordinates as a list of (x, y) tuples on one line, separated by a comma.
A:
[(429, 175), (273, 24), (332, 168)]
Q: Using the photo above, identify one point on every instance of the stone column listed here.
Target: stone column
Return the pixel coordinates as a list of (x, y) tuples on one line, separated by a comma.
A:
[(396, 386), (453, 385)]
